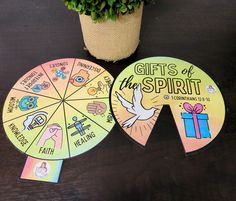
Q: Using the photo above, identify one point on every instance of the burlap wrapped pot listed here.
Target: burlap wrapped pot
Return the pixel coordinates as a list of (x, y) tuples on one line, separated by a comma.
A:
[(112, 40)]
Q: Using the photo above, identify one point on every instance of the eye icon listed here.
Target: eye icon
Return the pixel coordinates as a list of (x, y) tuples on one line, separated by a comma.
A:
[(31, 99), (79, 79), (30, 105)]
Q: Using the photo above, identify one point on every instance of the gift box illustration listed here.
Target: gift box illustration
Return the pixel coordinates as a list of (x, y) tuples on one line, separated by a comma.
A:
[(195, 122)]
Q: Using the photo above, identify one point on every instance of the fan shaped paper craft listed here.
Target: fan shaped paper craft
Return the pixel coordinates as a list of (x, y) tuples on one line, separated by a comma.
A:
[(143, 88), (59, 109)]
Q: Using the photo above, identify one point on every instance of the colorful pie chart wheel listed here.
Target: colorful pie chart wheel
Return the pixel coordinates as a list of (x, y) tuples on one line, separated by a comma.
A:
[(143, 88), (50, 114)]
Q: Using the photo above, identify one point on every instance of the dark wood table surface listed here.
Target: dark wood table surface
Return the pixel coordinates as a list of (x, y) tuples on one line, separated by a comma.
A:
[(202, 32)]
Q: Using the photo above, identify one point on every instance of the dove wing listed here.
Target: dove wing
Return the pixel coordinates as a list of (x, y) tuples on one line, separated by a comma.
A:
[(137, 98), (125, 103), (129, 122)]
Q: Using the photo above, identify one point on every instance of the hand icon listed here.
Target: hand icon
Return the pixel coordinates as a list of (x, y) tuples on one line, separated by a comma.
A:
[(54, 132), (97, 107)]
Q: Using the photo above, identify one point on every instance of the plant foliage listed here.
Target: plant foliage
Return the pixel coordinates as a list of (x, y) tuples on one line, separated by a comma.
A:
[(100, 10)]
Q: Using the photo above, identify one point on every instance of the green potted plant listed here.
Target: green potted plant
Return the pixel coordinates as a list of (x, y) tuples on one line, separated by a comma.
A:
[(111, 28)]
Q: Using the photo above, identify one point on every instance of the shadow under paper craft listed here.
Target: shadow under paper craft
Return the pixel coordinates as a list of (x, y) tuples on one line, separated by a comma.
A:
[(143, 88)]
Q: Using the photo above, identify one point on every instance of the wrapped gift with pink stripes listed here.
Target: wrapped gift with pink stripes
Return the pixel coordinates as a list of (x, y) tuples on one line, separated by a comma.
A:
[(195, 122)]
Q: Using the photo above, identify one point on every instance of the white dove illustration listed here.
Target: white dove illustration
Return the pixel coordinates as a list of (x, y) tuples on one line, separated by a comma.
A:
[(136, 108)]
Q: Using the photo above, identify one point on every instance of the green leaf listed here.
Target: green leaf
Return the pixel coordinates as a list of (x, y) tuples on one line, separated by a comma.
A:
[(130, 7), (100, 10), (102, 5), (123, 8), (110, 2), (94, 16)]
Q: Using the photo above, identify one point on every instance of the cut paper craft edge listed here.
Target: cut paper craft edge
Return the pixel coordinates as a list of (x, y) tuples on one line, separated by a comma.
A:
[(57, 102), (25, 170), (143, 145)]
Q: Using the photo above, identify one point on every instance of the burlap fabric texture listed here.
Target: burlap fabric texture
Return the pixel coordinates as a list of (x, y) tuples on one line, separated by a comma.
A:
[(112, 40)]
